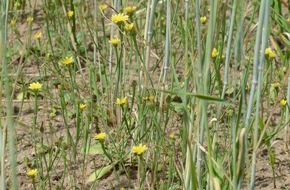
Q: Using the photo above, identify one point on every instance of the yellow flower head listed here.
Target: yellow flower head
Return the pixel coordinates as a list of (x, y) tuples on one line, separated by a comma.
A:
[(114, 41), (38, 35), (100, 137), (70, 14), (129, 10), (151, 98), (214, 53), (140, 149), (119, 18), (122, 101), (269, 53), (35, 86), (203, 19), (17, 4), (129, 27), (32, 173), (67, 60), (102, 7), (276, 85), (172, 136), (82, 106), (13, 22), (58, 87), (283, 102), (29, 20)]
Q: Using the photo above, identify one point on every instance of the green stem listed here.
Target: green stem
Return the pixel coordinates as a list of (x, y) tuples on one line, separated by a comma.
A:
[(140, 170), (4, 10), (33, 184), (105, 152)]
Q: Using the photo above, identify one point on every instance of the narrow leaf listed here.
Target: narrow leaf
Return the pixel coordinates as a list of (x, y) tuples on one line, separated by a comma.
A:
[(99, 173)]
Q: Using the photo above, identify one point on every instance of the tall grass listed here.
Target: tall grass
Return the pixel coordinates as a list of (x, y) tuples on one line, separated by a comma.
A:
[(7, 126), (182, 99)]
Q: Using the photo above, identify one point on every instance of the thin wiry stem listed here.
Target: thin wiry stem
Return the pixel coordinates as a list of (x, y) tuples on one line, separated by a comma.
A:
[(256, 62), (148, 38), (238, 54), (260, 82), (286, 137), (206, 71), (199, 51), (188, 173), (167, 42), (198, 39), (7, 85), (228, 52), (237, 57), (167, 51)]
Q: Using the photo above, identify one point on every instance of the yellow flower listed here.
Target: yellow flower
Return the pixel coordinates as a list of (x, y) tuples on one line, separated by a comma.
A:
[(35, 86), (172, 136), (129, 10), (58, 87), (283, 102), (82, 106), (32, 173), (203, 19), (284, 69), (17, 4), (214, 53), (129, 27), (151, 98), (119, 18), (29, 20), (67, 60), (102, 7), (70, 14), (114, 41), (122, 101), (270, 53), (140, 149), (100, 137), (276, 85), (13, 22), (38, 35)]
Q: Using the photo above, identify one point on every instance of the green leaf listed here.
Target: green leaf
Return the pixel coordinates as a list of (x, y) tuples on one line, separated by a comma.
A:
[(210, 98), (178, 107), (272, 94), (52, 112), (199, 96), (174, 187), (193, 173), (217, 168), (93, 149), (99, 173), (20, 96), (230, 90)]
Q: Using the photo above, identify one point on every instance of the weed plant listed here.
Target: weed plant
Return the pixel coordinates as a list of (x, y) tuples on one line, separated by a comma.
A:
[(161, 94)]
